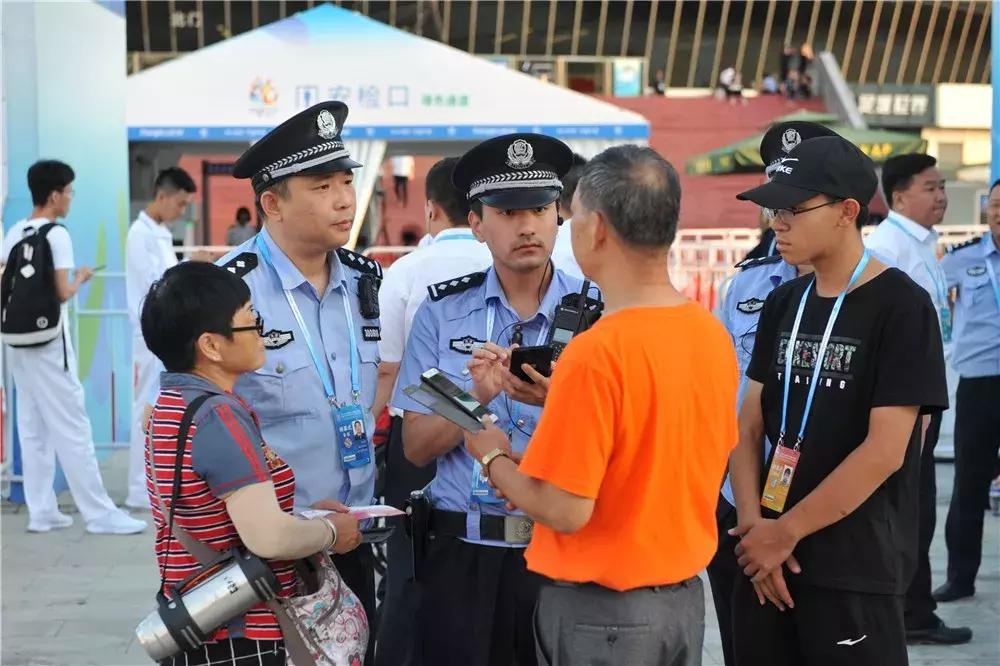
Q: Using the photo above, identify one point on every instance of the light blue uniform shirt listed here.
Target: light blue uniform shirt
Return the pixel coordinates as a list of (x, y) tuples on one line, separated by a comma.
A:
[(977, 307), (287, 393), (443, 335), (740, 312)]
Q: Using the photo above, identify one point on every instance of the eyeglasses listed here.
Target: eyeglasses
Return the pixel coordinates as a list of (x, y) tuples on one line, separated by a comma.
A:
[(792, 212), (258, 325)]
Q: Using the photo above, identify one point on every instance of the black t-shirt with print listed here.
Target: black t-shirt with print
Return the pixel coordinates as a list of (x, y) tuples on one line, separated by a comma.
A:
[(885, 350)]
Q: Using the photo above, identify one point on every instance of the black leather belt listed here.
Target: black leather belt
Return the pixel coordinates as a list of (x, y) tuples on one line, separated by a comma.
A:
[(510, 529)]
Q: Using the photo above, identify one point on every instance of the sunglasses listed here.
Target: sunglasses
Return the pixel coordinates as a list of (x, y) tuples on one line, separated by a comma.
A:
[(258, 325)]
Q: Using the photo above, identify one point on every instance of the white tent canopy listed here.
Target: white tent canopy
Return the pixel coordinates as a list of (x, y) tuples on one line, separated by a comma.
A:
[(401, 89)]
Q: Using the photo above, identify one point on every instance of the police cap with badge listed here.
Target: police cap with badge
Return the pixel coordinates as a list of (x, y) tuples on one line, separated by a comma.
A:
[(307, 144), (781, 139), (514, 171)]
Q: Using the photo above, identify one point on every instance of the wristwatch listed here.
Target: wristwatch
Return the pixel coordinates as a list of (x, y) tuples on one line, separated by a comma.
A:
[(490, 457)]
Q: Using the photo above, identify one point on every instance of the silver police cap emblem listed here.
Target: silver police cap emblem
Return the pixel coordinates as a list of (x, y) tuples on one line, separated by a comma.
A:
[(790, 139), (520, 155), (326, 125)]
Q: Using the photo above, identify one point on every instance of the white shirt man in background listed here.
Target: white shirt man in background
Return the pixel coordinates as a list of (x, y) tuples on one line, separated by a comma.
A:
[(51, 415), (453, 253), (149, 252), (915, 192), (562, 253)]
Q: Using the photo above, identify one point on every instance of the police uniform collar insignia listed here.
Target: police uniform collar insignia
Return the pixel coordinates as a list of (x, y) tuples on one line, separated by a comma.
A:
[(241, 264), (520, 155), (962, 246), (359, 262), (976, 271), (326, 125), (456, 285), (275, 339), (751, 262), (750, 306), (790, 139), (465, 345)]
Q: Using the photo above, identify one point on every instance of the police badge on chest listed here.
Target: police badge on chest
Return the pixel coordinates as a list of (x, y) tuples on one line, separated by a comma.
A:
[(275, 339)]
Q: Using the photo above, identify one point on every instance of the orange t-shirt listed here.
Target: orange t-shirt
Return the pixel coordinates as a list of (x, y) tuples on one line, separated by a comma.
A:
[(640, 418)]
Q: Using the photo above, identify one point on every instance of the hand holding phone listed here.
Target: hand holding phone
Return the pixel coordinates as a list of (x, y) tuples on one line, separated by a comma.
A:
[(539, 358)]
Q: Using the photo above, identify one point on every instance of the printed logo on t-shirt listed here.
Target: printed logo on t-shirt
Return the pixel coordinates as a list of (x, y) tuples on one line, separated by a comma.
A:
[(837, 367)]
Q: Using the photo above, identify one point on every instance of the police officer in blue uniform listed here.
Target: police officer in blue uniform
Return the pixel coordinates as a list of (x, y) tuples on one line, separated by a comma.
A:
[(478, 597), (974, 269), (760, 273), (319, 305)]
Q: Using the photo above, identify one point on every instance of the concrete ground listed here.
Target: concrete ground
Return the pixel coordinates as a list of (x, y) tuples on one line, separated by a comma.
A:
[(70, 599)]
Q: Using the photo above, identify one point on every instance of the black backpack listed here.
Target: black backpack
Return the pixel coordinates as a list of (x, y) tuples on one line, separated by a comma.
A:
[(31, 308)]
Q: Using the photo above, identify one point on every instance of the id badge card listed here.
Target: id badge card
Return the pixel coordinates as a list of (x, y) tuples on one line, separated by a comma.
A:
[(945, 323), (352, 440), (482, 492), (779, 478)]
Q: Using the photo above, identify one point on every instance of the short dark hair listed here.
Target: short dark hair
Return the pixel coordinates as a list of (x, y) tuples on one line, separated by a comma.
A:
[(46, 177), (280, 188), (994, 185), (898, 172), (174, 179), (439, 189), (638, 192), (243, 212), (192, 298), (570, 180)]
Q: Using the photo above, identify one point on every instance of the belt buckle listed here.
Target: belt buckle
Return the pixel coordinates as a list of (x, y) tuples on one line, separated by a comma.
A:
[(517, 529)]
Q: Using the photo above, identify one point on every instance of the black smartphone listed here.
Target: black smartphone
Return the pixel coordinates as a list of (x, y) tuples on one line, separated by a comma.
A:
[(539, 358), (440, 383), (377, 534)]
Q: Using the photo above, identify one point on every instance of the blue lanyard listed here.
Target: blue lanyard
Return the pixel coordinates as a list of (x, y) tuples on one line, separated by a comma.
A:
[(326, 378), (940, 283), (821, 354), (993, 281)]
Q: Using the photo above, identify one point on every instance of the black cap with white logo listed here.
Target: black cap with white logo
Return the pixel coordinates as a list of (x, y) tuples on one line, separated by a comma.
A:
[(829, 165)]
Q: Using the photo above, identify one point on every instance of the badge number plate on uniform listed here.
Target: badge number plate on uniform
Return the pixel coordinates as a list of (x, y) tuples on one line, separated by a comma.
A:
[(482, 491), (352, 440), (779, 479)]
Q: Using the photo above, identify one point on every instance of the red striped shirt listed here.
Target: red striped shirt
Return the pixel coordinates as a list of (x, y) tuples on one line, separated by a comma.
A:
[(201, 513)]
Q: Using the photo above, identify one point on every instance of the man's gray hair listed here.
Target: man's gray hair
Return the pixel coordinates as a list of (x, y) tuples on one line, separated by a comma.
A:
[(637, 191)]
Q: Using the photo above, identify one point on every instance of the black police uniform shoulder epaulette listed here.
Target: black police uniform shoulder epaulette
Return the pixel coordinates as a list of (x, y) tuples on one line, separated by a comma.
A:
[(962, 246), (457, 285), (359, 262), (241, 264), (758, 261)]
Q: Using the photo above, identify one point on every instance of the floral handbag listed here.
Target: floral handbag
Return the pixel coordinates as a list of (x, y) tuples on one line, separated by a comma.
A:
[(331, 621)]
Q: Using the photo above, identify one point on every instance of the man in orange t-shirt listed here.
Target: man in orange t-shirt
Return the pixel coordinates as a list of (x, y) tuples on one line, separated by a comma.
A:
[(624, 468)]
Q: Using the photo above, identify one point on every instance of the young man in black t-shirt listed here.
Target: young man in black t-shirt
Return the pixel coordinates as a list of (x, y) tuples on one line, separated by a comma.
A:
[(828, 555)]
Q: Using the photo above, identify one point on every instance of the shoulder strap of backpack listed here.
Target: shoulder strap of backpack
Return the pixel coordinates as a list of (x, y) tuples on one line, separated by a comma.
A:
[(44, 230)]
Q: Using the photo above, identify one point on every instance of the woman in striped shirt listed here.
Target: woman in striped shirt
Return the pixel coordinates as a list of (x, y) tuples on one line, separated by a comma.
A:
[(235, 490)]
